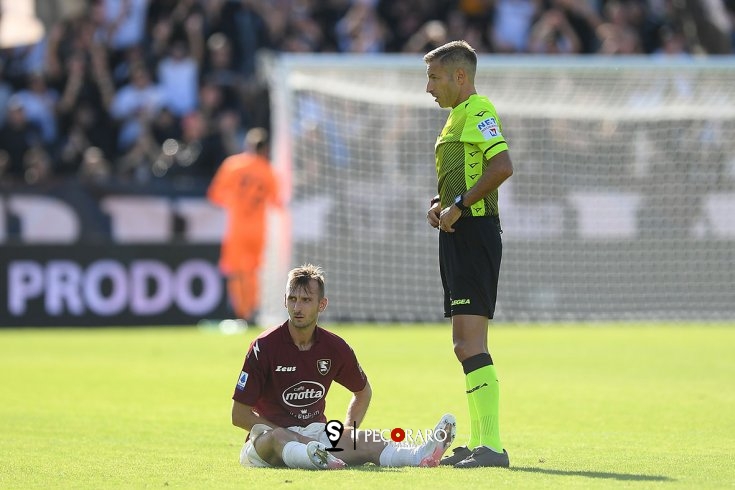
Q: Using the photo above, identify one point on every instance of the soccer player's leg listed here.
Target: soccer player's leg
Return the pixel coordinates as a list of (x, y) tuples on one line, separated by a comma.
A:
[(321, 458), (472, 307), (430, 453), (483, 392), (367, 449), (357, 447), (242, 290), (284, 447), (236, 294)]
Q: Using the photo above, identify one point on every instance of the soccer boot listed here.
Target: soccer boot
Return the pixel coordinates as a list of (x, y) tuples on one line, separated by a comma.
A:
[(321, 458), (430, 453), (458, 454), (483, 457)]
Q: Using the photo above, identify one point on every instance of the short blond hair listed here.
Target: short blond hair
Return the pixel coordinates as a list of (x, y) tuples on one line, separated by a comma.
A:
[(455, 53), (301, 277)]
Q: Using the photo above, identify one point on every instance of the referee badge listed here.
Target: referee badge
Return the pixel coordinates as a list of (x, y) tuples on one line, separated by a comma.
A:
[(323, 366), (489, 128)]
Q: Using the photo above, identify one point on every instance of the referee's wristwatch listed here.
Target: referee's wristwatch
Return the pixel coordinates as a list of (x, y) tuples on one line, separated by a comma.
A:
[(458, 202)]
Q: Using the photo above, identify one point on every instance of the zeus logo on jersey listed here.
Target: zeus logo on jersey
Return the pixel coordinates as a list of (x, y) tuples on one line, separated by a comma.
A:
[(489, 128), (285, 369), (303, 394)]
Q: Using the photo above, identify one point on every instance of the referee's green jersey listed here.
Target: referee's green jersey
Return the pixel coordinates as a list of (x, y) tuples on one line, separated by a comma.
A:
[(471, 136)]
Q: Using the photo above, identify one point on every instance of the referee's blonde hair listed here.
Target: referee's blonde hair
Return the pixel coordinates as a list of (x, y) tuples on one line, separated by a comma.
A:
[(455, 54)]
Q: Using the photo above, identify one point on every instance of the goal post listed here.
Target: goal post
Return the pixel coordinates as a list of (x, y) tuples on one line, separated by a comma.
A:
[(621, 207)]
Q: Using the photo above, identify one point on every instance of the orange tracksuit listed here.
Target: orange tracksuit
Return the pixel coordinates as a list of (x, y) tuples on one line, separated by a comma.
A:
[(244, 185)]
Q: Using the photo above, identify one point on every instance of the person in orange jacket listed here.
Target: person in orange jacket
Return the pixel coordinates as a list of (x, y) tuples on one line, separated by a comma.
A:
[(245, 185)]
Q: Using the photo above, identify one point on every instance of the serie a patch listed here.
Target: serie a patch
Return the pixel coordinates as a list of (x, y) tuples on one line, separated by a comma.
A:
[(242, 380), (489, 128)]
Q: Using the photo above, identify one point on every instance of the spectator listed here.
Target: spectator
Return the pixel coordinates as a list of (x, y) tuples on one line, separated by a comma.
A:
[(361, 30), (552, 34), (712, 23), (640, 18), (618, 40), (17, 137), (124, 23), (178, 79), (211, 98), (37, 167), (403, 18), (139, 163), (229, 126), (251, 25), (166, 126), (220, 67), (472, 30), (87, 127), (135, 105), (22, 61), (302, 25), (196, 155), (86, 94), (6, 90), (477, 13), (39, 102), (94, 169), (584, 19), (92, 82), (512, 24), (672, 43), (431, 35)]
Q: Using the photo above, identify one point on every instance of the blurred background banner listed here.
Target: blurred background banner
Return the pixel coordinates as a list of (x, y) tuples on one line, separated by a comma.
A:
[(75, 255), (131, 285)]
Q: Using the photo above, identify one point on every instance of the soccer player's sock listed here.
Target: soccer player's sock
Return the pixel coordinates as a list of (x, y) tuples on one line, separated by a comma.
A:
[(484, 392), (294, 455), (394, 455), (474, 439)]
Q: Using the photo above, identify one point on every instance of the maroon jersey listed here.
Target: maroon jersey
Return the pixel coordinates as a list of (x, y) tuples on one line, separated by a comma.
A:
[(289, 386)]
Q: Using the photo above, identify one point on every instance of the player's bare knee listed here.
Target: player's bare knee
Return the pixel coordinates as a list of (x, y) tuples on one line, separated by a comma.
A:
[(266, 446), (282, 436), (462, 349)]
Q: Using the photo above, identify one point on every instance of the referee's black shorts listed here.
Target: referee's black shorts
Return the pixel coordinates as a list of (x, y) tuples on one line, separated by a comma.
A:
[(469, 262)]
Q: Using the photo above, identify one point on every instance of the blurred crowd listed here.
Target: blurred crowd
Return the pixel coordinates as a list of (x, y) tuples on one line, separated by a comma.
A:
[(140, 90)]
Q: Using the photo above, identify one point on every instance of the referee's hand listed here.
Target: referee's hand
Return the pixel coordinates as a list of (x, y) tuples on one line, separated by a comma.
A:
[(448, 217), (433, 215)]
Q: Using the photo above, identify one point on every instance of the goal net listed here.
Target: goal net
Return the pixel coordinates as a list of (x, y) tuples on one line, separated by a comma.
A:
[(622, 205)]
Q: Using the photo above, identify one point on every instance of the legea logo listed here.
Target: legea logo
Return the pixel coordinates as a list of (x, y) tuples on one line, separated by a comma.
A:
[(303, 394)]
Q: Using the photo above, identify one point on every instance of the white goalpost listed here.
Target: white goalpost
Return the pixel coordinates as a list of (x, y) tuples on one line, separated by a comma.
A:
[(622, 205)]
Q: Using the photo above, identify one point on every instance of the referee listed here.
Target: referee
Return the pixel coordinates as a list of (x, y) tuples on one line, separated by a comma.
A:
[(472, 161)]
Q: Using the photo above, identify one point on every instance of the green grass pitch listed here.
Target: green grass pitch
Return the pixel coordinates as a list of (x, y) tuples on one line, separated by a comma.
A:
[(582, 406)]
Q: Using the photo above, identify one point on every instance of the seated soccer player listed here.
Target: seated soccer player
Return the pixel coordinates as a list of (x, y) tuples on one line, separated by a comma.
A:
[(281, 393)]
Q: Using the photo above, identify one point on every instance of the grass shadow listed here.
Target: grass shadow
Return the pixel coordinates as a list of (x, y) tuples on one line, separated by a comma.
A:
[(593, 474), (372, 468)]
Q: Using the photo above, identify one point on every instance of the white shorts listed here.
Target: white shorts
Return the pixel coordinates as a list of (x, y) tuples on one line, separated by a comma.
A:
[(249, 457)]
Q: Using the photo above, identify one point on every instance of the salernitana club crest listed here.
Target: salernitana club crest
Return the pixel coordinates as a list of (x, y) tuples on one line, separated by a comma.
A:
[(323, 366)]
